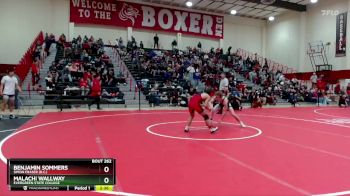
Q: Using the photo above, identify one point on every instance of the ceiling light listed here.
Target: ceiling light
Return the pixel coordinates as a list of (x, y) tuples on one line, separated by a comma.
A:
[(189, 4), (271, 18), (314, 1), (233, 12)]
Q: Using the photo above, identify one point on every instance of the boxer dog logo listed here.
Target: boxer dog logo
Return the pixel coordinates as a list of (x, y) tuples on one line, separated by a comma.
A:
[(128, 12)]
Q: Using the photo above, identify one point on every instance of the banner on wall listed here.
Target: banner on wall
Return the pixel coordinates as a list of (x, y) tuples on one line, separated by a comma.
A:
[(125, 14), (341, 35)]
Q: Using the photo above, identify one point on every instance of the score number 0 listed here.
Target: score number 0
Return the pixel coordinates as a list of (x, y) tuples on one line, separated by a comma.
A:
[(106, 170)]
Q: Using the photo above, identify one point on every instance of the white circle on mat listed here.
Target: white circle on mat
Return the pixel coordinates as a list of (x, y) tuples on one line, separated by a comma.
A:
[(149, 130)]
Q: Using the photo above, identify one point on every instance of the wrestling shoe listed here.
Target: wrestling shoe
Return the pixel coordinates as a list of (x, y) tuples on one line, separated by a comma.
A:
[(213, 129)]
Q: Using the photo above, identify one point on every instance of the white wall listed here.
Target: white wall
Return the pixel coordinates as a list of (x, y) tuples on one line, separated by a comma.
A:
[(23, 19), (238, 33), (146, 37), (243, 33), (287, 38), (193, 41), (107, 33), (282, 39), (323, 28)]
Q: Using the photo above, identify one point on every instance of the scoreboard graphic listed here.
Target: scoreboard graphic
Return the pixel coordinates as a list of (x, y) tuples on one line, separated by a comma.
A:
[(96, 174)]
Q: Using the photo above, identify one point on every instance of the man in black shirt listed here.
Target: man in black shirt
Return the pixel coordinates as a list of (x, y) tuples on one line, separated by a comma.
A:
[(141, 45), (156, 41)]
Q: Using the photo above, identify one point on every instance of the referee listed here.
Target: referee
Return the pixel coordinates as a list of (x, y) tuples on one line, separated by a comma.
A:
[(224, 83)]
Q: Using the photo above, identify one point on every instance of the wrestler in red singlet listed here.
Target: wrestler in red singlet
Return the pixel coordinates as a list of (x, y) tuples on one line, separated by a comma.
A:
[(198, 103)]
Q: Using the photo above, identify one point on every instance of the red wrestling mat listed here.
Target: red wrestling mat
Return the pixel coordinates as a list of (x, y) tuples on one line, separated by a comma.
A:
[(291, 151)]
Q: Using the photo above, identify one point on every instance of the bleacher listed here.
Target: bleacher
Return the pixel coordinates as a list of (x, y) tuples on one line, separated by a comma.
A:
[(178, 90), (140, 75), (66, 91)]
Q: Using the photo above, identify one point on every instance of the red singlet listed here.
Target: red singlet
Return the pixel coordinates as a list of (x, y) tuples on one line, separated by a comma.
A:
[(195, 104)]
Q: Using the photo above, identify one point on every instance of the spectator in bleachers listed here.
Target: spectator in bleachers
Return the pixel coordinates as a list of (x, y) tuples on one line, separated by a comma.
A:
[(48, 42), (49, 81), (313, 80), (37, 51), (193, 68), (154, 96), (84, 86), (256, 100), (73, 71), (120, 43), (35, 73), (141, 45), (343, 100)]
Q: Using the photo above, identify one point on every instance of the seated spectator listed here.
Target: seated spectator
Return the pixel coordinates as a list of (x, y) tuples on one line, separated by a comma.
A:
[(154, 98), (105, 58), (337, 89), (86, 46), (348, 90), (256, 102), (164, 97), (49, 81), (84, 87), (293, 98), (343, 100), (73, 70), (85, 56), (325, 98), (271, 99)]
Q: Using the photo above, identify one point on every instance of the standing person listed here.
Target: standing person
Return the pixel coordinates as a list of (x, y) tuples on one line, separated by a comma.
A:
[(141, 45), (96, 92), (320, 83), (321, 87), (9, 84), (199, 103), (224, 105), (313, 80), (156, 41), (35, 73), (121, 44), (224, 84)]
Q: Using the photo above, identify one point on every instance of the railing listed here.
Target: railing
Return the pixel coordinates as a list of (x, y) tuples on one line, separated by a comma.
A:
[(273, 66), (22, 69), (68, 97), (119, 62)]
